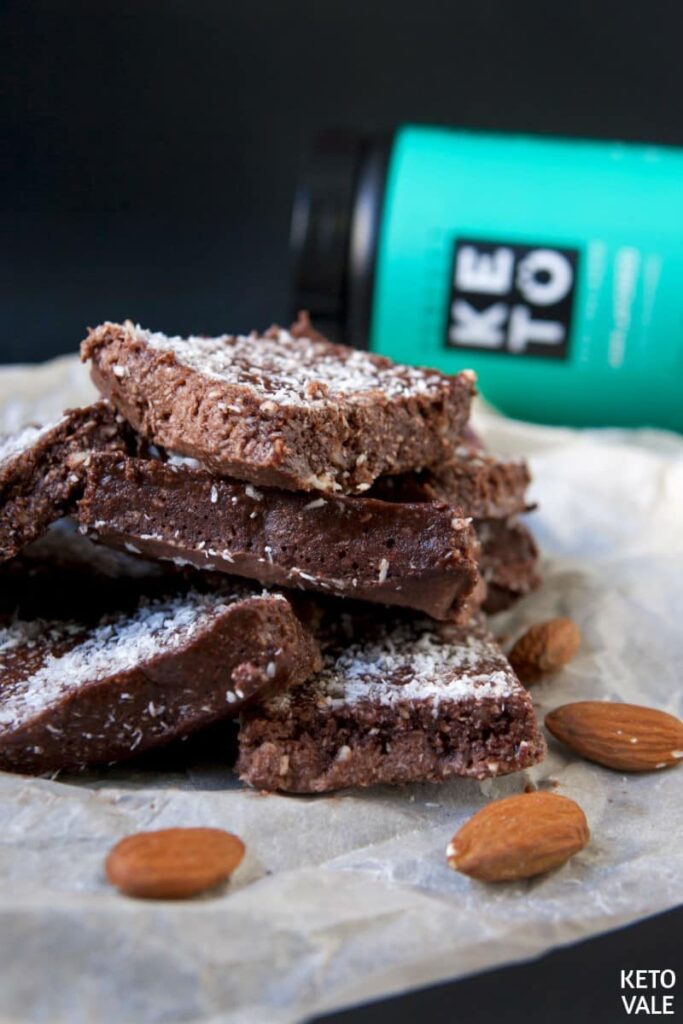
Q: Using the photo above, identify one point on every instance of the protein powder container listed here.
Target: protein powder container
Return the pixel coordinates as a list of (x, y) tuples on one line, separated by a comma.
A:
[(552, 267)]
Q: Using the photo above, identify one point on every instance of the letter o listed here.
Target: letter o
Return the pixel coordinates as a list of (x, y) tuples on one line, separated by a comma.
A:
[(559, 274)]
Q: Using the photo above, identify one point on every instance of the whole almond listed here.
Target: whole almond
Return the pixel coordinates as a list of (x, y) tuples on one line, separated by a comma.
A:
[(545, 647), (518, 837), (626, 737), (173, 863)]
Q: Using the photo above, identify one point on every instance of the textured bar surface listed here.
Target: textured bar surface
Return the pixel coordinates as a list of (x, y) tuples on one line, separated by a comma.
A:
[(398, 701), (74, 694), (421, 556), (42, 471), (484, 486), (280, 410), (508, 562)]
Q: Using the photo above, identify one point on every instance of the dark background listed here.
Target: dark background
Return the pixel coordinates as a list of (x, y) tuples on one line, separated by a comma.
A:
[(151, 147)]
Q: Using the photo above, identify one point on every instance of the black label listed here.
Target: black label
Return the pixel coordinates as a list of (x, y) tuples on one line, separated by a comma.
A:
[(508, 298)]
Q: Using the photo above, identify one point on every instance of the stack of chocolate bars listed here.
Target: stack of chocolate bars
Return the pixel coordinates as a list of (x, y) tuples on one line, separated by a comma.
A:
[(272, 527)]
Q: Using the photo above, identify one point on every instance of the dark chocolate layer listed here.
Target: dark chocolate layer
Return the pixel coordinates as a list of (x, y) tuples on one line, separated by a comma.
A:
[(491, 490), (420, 556), (484, 486), (508, 562)]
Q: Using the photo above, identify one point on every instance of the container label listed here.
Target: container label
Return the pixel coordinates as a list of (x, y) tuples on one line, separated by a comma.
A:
[(511, 298)]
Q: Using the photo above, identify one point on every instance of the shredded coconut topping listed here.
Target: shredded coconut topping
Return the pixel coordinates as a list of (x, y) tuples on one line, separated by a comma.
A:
[(411, 661), (292, 371), (113, 647), (174, 459), (16, 444)]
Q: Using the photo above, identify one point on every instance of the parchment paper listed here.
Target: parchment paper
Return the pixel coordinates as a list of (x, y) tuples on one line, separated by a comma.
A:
[(346, 898)]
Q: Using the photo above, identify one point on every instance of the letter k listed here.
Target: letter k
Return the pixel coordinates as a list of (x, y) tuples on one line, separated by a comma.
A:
[(483, 328)]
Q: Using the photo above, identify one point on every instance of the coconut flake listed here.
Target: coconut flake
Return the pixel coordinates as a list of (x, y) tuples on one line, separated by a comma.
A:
[(115, 646), (286, 370), (17, 444), (408, 662)]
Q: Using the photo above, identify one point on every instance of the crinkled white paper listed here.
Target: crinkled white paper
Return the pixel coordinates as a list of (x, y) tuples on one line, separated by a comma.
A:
[(346, 898)]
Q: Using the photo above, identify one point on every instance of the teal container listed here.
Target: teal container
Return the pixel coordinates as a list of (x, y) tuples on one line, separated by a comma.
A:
[(552, 267)]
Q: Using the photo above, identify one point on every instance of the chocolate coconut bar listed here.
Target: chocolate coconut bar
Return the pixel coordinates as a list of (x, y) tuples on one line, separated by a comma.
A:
[(74, 694), (42, 471), (485, 486), (421, 556), (508, 562), (279, 410), (401, 701), (492, 490)]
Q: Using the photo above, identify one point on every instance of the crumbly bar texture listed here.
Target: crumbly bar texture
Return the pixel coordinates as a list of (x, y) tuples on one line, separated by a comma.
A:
[(301, 328), (74, 695), (485, 486), (421, 556), (508, 562), (396, 702), (277, 409), (42, 470)]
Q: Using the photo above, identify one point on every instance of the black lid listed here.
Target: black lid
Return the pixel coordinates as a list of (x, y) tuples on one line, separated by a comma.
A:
[(335, 229)]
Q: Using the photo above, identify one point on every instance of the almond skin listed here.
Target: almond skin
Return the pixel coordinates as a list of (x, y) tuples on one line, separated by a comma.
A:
[(545, 647), (626, 737), (518, 837), (173, 863)]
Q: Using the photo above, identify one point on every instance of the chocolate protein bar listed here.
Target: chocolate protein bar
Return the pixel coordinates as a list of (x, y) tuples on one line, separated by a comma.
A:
[(42, 470), (421, 556), (485, 486), (279, 410), (508, 562), (397, 701), (74, 694)]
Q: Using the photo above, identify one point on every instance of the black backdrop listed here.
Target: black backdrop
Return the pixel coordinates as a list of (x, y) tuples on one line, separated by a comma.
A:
[(151, 147)]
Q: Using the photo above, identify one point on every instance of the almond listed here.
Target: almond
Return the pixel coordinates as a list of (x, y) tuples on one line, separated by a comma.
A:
[(173, 863), (627, 737), (545, 647), (518, 837)]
